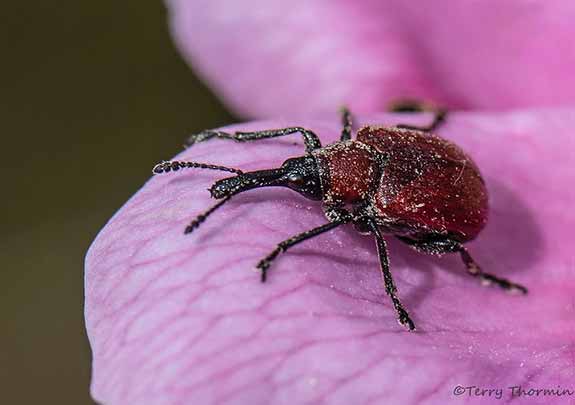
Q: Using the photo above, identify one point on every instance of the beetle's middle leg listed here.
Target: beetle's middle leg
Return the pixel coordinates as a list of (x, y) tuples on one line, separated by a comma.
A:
[(390, 288), (446, 245), (439, 114), (311, 140)]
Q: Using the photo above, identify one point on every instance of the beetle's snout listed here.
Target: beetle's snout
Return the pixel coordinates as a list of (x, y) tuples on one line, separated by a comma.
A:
[(299, 174), (220, 189), (246, 181)]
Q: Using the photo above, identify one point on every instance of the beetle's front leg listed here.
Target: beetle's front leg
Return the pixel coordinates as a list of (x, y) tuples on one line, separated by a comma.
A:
[(311, 140), (336, 218), (336, 215)]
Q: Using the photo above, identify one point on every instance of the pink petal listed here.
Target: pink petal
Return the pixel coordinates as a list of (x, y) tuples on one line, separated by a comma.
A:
[(176, 319), (273, 58)]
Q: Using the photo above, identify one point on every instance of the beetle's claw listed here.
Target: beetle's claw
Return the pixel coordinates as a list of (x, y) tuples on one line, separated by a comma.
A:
[(263, 267), (513, 288), (406, 321), (517, 289)]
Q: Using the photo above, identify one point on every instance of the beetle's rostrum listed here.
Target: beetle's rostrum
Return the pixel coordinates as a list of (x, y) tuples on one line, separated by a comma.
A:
[(300, 174), (402, 181)]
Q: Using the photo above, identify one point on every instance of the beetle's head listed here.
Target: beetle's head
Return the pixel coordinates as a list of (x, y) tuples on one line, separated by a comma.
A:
[(300, 174)]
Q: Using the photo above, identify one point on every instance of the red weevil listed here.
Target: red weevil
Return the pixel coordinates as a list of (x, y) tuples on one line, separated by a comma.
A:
[(400, 180)]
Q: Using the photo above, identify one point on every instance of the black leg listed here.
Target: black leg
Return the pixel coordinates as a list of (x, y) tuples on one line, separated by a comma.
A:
[(390, 289), (311, 140), (487, 278), (410, 106), (416, 106), (347, 125), (438, 119), (265, 263), (443, 245)]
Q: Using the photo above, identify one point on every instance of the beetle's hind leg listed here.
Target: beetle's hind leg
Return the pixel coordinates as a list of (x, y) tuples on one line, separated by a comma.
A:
[(445, 245), (411, 106), (390, 288), (487, 278), (347, 122)]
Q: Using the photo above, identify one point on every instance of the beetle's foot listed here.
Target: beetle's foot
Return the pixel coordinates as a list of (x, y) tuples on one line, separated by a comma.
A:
[(201, 137), (265, 264), (513, 288), (487, 278), (404, 319)]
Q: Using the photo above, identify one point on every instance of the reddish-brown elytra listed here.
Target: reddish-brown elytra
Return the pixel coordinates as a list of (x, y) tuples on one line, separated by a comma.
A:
[(403, 181)]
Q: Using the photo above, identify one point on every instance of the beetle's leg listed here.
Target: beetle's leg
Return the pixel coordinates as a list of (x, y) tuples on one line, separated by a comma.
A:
[(265, 263), (409, 106), (445, 245), (347, 125), (487, 278), (390, 288), (311, 140), (417, 106), (438, 119)]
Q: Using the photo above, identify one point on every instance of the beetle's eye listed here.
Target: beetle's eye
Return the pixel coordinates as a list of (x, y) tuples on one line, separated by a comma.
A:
[(296, 179)]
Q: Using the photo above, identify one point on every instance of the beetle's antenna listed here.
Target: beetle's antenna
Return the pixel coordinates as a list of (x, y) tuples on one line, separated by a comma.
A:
[(174, 165), (202, 217), (225, 189)]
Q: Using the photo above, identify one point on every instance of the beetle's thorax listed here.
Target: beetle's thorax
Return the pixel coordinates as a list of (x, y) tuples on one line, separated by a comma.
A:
[(349, 171)]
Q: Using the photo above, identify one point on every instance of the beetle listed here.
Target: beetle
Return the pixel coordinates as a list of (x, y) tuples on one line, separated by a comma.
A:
[(403, 181)]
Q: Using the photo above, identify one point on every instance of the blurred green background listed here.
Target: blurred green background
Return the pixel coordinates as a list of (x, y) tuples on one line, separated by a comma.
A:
[(93, 94)]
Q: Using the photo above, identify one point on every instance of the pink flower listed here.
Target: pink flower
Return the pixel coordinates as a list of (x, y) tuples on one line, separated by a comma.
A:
[(176, 319), (271, 58)]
